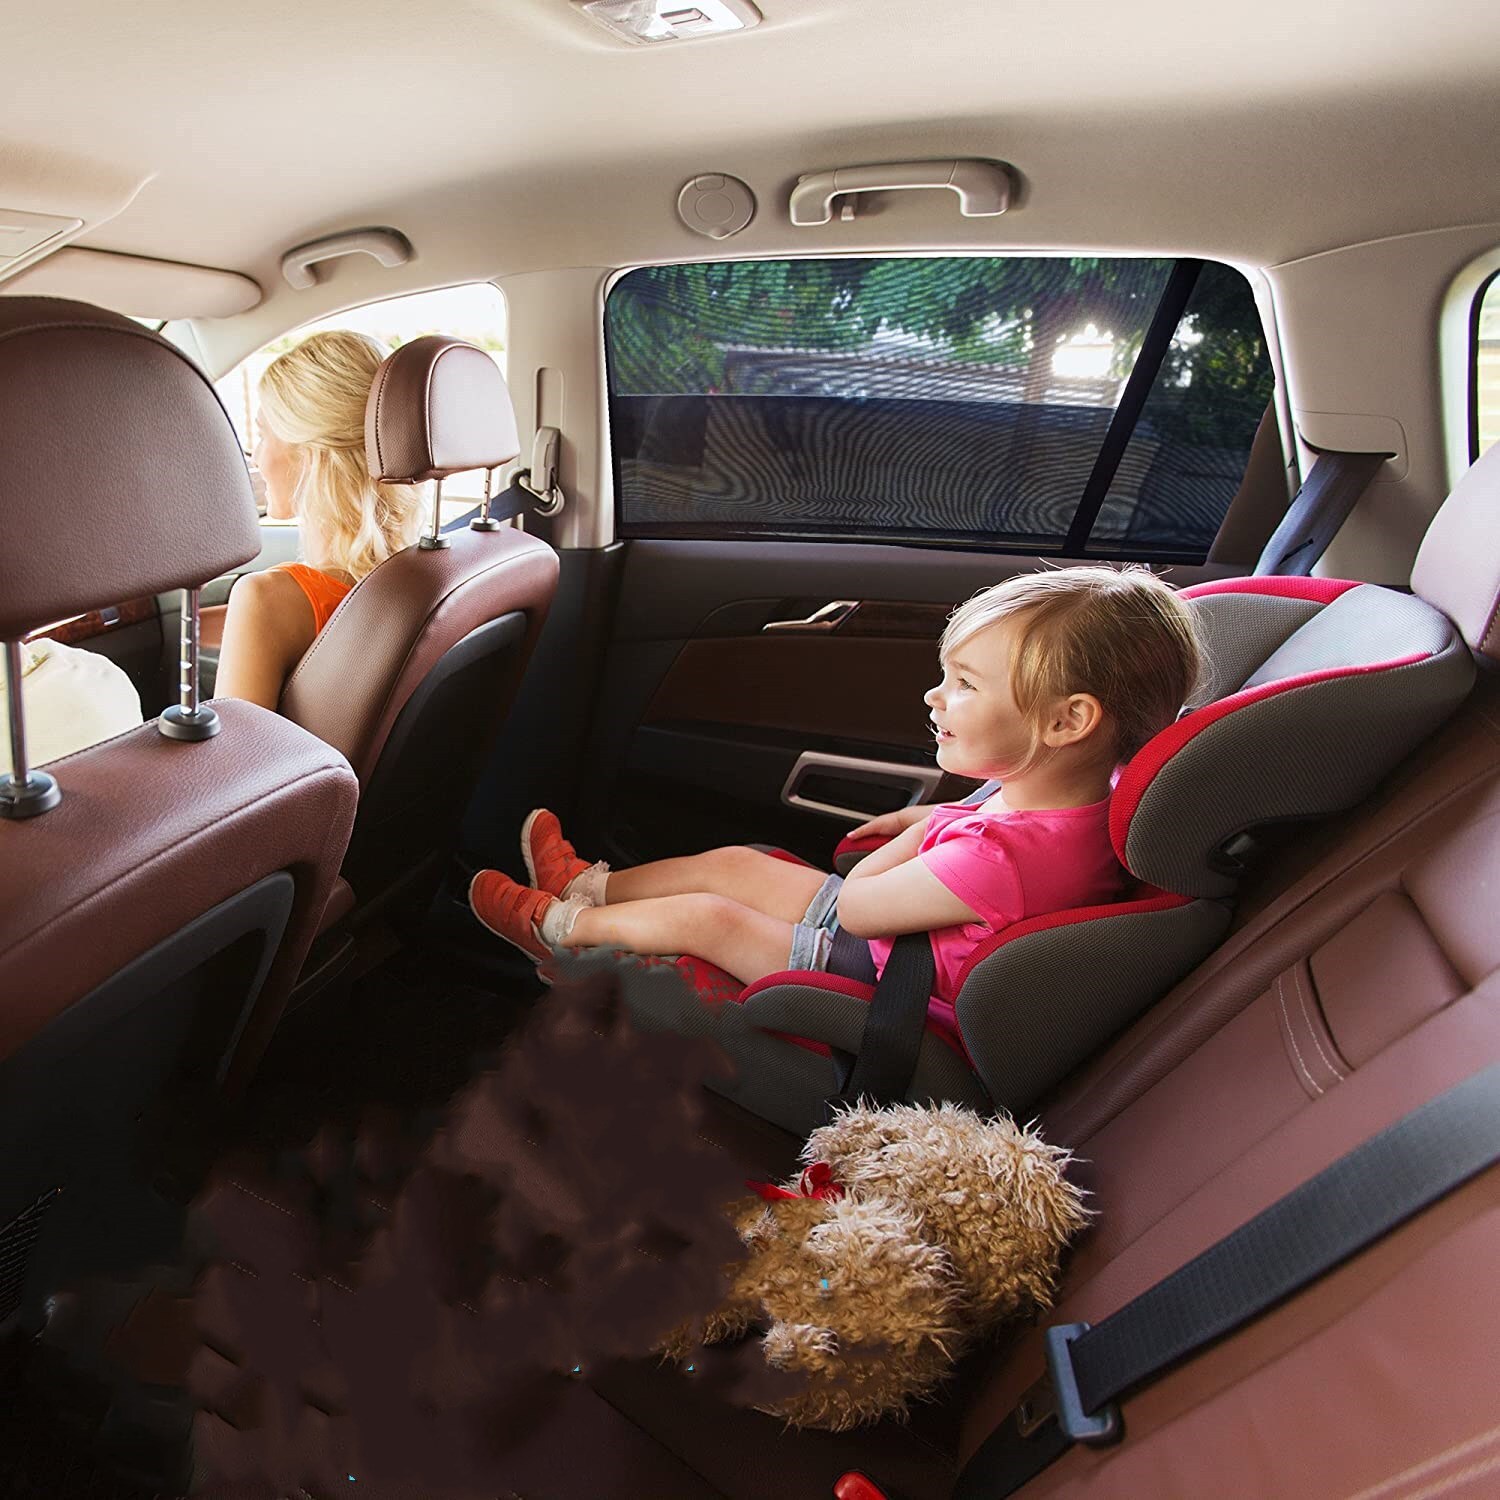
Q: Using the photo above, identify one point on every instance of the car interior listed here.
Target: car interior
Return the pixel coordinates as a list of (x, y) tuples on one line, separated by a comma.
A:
[(736, 345)]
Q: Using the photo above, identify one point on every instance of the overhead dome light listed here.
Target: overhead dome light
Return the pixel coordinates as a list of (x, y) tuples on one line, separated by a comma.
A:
[(641, 21)]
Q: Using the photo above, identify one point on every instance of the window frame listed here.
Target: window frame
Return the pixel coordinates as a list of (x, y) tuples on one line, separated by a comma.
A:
[(1476, 311), (727, 531), (1458, 361)]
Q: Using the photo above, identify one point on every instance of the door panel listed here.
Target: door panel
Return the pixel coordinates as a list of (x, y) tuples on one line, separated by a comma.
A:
[(705, 712)]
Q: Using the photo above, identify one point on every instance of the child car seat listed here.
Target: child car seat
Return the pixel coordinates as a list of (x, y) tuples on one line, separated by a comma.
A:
[(1317, 688)]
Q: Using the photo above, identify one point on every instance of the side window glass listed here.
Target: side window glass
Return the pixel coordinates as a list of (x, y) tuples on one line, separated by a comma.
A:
[(962, 400), (1187, 453), (475, 312), (1486, 428)]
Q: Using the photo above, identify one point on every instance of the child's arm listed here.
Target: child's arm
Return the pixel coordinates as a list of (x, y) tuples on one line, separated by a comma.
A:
[(901, 848), (888, 825), (905, 898)]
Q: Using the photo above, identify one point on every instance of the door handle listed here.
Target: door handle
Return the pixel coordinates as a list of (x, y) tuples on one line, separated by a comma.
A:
[(917, 782), (829, 617)]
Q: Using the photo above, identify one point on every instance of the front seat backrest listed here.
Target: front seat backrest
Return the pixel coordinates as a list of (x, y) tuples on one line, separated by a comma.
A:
[(152, 921), (415, 672)]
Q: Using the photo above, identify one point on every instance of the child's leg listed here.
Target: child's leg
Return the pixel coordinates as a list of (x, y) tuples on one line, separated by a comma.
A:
[(776, 887), (748, 943)]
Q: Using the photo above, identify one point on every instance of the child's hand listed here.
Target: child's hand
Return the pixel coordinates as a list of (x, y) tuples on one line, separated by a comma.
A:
[(889, 825)]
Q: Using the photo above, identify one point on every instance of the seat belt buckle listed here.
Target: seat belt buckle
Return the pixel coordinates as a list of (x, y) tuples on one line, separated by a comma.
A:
[(1056, 1395)]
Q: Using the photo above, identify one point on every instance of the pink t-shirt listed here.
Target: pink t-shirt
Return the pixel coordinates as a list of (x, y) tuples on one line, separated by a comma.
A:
[(1008, 865)]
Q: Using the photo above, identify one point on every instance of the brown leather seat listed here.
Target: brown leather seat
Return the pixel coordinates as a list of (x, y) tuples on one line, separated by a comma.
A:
[(413, 676), (153, 921), (1362, 981)]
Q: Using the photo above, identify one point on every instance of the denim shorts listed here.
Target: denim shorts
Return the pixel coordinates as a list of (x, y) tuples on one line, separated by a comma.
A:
[(820, 944)]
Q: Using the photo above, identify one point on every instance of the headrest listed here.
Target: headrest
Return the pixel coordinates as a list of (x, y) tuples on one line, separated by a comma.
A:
[(438, 406), (1321, 687), (120, 473), (1458, 564)]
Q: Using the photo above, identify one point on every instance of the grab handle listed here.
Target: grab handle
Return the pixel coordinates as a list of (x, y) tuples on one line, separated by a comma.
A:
[(388, 246), (983, 187)]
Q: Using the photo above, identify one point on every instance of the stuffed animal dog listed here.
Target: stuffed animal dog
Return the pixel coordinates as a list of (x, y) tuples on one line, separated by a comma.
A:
[(913, 1232)]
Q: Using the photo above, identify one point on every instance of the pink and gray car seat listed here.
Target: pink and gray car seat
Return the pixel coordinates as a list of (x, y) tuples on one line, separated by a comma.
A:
[(1318, 688)]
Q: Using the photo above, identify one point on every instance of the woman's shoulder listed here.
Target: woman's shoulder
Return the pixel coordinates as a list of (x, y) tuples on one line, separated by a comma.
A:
[(276, 605), (270, 588)]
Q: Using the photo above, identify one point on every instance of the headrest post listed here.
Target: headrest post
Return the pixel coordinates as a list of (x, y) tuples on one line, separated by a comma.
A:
[(435, 538), (484, 521), (187, 719), (24, 793)]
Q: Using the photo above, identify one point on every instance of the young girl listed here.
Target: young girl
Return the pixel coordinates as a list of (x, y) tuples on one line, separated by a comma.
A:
[(311, 454), (1050, 681)]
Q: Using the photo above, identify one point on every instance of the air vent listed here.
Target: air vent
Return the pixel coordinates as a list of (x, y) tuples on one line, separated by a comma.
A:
[(644, 21)]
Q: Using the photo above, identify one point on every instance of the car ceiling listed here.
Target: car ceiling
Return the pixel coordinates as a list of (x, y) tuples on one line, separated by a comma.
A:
[(506, 135)]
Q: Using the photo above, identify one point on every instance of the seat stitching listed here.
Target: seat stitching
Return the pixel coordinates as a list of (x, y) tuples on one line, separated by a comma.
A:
[(196, 832), (280, 1208), (1416, 1471), (1491, 627), (385, 376), (1453, 1481), (1313, 1030), (1297, 1051)]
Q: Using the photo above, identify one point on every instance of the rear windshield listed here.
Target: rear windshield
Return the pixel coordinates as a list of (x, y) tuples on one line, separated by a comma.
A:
[(1037, 404)]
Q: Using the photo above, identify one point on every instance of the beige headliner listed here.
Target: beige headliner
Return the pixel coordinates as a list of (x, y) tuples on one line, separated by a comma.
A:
[(505, 135), (1344, 148)]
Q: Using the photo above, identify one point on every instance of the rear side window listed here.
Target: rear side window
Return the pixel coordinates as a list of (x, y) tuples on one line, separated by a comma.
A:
[(1029, 404), (1486, 367)]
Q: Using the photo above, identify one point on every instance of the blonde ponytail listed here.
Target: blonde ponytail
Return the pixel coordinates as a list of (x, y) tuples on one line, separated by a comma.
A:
[(313, 398)]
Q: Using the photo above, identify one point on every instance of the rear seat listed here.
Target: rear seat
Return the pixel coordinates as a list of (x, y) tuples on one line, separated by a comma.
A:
[(1235, 1090), (1361, 980)]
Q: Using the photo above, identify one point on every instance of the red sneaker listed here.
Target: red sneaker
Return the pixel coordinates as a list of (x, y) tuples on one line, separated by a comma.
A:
[(551, 861), (511, 911)]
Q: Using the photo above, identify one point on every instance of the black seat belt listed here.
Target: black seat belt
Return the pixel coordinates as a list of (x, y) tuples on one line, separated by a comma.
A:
[(894, 1028), (883, 1069), (1347, 1206), (1322, 505)]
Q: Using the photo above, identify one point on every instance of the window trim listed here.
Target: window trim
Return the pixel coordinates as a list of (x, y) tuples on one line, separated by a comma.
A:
[(1476, 311), (722, 531), (1458, 362)]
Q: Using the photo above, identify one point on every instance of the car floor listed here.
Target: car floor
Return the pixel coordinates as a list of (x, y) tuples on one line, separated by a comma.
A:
[(400, 1045), (402, 1040)]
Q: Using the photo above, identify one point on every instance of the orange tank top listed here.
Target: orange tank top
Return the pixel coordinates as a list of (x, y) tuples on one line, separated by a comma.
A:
[(323, 592)]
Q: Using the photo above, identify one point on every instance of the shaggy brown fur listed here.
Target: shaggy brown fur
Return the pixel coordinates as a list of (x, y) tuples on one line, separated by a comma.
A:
[(949, 1224)]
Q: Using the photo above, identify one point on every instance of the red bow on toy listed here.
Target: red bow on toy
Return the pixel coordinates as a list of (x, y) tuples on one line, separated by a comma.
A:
[(815, 1182)]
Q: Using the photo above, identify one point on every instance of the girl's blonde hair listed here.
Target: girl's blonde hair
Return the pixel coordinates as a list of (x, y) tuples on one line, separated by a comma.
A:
[(313, 397), (1120, 634)]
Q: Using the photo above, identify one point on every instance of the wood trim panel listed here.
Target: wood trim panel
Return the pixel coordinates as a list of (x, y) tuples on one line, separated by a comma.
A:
[(896, 620), (97, 622)]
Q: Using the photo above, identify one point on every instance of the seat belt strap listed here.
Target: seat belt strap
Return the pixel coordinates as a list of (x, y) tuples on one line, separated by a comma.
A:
[(1321, 506), (1346, 1207), (894, 1028)]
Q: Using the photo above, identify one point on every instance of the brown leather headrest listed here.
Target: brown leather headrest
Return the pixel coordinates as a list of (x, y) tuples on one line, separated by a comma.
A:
[(438, 406), (1458, 564), (120, 474)]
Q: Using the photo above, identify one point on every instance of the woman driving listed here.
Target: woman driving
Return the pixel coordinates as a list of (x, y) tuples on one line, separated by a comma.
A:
[(310, 449)]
